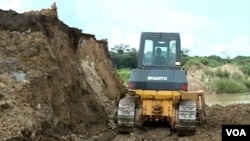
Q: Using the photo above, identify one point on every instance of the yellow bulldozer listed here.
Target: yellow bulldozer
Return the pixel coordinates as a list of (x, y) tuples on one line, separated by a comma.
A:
[(158, 88)]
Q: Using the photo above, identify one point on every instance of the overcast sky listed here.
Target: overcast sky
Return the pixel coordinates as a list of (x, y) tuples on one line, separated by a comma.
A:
[(207, 27)]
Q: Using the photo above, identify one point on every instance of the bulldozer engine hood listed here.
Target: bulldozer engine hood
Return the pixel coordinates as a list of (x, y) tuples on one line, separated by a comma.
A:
[(157, 79)]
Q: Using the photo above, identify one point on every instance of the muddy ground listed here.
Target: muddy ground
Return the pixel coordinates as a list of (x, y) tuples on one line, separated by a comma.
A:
[(58, 84), (209, 131)]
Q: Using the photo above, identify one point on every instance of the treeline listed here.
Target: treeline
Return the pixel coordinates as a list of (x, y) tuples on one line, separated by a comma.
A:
[(125, 57)]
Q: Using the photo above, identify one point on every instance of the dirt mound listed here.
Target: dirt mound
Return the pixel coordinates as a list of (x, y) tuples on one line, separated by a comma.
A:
[(54, 80)]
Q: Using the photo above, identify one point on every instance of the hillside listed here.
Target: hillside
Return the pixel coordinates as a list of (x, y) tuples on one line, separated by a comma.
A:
[(227, 78)]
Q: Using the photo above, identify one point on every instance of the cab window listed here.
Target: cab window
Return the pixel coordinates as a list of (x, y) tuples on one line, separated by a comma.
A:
[(159, 52)]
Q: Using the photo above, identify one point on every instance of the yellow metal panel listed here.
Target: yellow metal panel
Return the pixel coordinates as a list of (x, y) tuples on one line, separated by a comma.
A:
[(157, 94), (160, 95), (166, 107), (147, 107)]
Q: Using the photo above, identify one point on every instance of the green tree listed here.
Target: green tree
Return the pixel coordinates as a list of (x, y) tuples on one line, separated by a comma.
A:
[(123, 56), (241, 60)]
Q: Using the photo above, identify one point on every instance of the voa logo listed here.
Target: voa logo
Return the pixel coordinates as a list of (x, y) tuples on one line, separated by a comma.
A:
[(157, 78), (236, 132)]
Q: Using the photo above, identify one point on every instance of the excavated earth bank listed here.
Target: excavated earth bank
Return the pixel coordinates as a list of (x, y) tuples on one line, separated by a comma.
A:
[(58, 84), (54, 80)]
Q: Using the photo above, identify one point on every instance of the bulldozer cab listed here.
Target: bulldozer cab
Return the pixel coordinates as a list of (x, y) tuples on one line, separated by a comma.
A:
[(159, 50)]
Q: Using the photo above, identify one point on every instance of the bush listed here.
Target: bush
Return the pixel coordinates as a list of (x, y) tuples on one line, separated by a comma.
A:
[(237, 76), (200, 62), (246, 69), (246, 83), (209, 72), (228, 86), (222, 73), (210, 62), (124, 75), (214, 63), (204, 61), (241, 60), (193, 62)]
